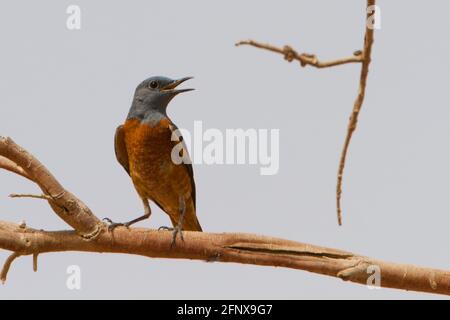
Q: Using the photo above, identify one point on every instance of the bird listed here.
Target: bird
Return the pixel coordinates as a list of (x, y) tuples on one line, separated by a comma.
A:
[(143, 146)]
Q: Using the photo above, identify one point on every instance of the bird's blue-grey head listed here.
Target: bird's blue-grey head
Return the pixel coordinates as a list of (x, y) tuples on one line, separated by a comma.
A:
[(152, 97)]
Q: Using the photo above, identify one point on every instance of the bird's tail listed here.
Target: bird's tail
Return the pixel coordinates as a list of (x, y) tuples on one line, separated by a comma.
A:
[(192, 224), (190, 221)]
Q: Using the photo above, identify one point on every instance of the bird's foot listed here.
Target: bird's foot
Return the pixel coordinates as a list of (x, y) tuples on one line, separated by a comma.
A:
[(112, 225), (175, 231)]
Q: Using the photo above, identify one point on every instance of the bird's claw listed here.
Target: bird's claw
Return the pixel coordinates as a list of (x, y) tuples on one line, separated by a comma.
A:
[(107, 220), (112, 225), (175, 231)]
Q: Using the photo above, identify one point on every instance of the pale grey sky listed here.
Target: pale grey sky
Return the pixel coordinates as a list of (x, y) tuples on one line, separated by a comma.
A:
[(64, 92)]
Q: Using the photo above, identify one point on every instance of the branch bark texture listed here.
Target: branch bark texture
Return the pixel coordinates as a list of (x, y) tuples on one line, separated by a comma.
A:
[(227, 247)]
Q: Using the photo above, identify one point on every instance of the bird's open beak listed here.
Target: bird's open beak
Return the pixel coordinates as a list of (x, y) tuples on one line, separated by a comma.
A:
[(171, 86)]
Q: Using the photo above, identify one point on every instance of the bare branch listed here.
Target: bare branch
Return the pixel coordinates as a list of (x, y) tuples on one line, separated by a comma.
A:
[(223, 247), (68, 207), (12, 167), (353, 121), (229, 247), (363, 57), (7, 265), (33, 196), (304, 58), (35, 262)]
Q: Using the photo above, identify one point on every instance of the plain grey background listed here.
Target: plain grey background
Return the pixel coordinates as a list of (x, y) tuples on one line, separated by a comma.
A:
[(64, 92)]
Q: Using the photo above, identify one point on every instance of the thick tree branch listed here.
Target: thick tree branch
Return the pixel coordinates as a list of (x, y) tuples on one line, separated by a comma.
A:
[(228, 247), (211, 247), (363, 57), (68, 207), (12, 167)]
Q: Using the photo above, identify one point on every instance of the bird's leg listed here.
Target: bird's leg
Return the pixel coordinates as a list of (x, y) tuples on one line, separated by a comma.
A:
[(147, 213), (179, 227)]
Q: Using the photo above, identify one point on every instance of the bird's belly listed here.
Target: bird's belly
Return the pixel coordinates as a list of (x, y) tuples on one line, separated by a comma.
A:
[(161, 182), (149, 162), (152, 170)]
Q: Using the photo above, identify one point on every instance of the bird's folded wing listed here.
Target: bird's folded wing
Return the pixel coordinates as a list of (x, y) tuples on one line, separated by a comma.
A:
[(187, 166), (121, 149)]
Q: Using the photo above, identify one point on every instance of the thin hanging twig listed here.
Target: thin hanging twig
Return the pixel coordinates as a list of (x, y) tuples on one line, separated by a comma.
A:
[(363, 57)]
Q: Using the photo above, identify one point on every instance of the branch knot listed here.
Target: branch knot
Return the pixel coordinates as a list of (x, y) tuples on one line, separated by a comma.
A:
[(289, 53)]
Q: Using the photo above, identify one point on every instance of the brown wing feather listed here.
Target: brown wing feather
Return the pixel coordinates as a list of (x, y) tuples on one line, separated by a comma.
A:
[(191, 175), (121, 149), (188, 166)]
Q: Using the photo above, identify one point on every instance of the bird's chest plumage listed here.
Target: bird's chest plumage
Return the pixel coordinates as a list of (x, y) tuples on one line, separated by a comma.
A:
[(149, 151)]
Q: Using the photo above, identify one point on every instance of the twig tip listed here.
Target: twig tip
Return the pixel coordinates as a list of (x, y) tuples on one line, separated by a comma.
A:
[(35, 262)]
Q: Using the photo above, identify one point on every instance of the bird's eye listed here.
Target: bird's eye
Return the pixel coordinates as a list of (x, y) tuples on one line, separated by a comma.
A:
[(154, 84)]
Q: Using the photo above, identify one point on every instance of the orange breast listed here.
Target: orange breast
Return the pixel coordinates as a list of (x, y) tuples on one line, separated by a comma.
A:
[(154, 174)]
